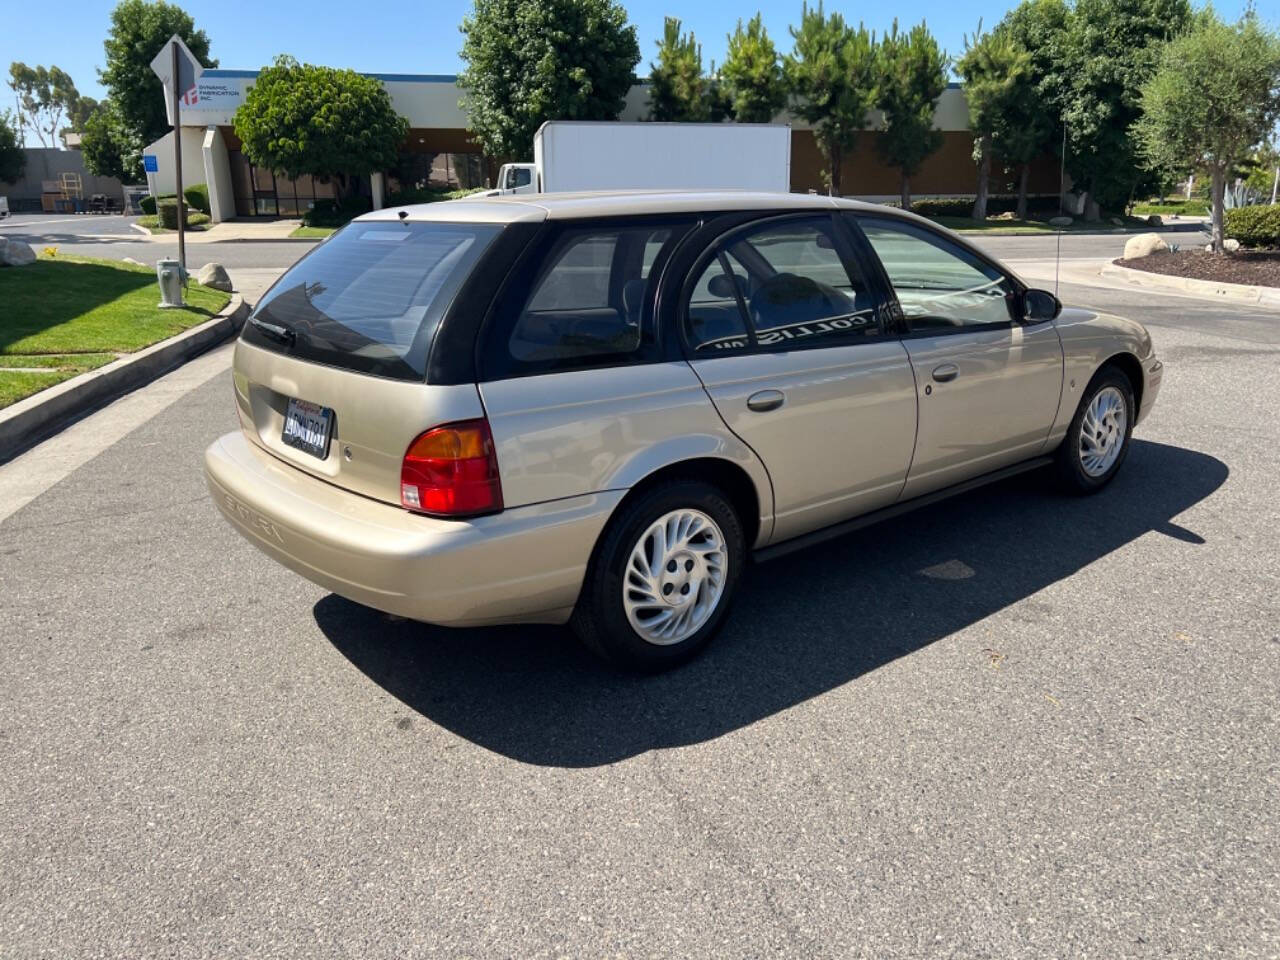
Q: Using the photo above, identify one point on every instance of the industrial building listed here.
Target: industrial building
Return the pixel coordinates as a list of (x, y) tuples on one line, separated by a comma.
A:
[(211, 152)]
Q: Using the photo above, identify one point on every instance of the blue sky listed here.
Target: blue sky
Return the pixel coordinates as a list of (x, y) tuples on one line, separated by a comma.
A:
[(400, 37)]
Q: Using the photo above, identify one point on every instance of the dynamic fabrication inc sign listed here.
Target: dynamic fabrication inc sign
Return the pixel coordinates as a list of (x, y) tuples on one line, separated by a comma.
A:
[(213, 99)]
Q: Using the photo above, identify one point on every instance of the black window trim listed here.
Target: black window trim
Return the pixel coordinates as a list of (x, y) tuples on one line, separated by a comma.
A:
[(851, 257), (522, 277), (854, 220)]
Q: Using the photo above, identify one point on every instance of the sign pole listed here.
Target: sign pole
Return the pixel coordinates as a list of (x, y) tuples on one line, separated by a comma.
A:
[(177, 167)]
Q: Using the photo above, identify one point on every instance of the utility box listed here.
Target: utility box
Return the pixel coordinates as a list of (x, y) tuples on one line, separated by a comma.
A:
[(169, 274)]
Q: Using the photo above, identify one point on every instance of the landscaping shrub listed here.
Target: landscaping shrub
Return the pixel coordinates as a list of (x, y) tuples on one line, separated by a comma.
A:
[(1256, 226), (411, 195), (167, 207), (197, 197), (335, 213), (148, 205), (963, 207)]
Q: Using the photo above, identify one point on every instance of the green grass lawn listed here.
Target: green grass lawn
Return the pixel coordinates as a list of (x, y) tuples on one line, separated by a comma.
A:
[(1183, 208), (312, 233), (21, 376), (65, 315)]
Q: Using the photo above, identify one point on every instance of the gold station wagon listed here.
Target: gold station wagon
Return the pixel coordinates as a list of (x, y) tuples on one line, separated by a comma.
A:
[(596, 409)]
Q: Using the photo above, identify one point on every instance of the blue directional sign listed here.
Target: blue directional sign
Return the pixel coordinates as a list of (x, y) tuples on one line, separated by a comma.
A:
[(150, 163)]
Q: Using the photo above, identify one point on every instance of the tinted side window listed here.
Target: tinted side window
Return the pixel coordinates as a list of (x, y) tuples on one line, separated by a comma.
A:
[(713, 319), (588, 301), (940, 286), (370, 297), (794, 283)]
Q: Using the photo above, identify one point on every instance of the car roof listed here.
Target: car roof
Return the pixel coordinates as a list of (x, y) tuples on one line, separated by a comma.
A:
[(571, 206)]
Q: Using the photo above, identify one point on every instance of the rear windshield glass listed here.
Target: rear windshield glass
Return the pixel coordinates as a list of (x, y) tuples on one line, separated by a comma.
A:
[(371, 296)]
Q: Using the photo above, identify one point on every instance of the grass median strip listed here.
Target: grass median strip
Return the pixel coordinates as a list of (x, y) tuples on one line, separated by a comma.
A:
[(66, 315)]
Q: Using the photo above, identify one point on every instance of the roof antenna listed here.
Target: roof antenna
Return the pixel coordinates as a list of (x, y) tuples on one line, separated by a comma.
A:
[(403, 214), (1062, 198)]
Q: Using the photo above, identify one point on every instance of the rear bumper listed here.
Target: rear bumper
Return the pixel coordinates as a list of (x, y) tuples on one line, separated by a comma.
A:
[(521, 565)]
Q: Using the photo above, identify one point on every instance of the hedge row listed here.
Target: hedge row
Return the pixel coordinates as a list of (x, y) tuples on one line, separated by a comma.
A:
[(197, 197), (962, 207), (1256, 226), (334, 213)]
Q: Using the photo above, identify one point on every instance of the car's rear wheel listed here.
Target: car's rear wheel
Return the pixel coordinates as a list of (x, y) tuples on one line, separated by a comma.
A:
[(1097, 441), (660, 583)]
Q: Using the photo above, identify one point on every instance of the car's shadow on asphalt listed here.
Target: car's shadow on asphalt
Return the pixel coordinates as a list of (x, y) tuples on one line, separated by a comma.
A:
[(801, 626)]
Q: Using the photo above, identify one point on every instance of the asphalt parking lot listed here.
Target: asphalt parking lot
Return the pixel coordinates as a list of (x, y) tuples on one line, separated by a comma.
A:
[(1009, 725)]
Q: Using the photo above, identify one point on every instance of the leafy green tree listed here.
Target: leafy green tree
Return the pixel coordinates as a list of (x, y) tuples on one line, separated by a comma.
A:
[(913, 75), (677, 89), (45, 97), (752, 74), (1214, 95), (996, 73), (529, 61), (139, 28), (84, 108), (110, 147), (13, 159), (1034, 124), (831, 74), (1040, 27), (303, 120), (1108, 51)]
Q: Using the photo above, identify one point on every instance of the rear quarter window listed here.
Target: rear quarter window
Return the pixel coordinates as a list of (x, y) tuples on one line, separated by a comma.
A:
[(586, 301), (370, 297)]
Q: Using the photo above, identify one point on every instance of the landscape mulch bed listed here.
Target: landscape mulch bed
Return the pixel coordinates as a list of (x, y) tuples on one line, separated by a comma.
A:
[(1255, 268)]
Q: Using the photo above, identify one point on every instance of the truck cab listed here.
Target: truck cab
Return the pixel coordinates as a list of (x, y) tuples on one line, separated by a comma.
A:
[(517, 178)]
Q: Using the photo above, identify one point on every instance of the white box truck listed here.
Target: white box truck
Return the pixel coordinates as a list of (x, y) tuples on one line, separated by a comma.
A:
[(573, 155)]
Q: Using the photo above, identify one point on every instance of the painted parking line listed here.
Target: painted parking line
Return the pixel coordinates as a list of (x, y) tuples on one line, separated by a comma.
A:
[(5, 224)]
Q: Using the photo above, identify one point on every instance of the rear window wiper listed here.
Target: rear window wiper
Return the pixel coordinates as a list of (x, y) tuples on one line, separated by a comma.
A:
[(275, 331)]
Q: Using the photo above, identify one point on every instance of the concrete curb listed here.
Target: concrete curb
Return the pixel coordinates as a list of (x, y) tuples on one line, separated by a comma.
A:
[(41, 415), (1268, 297)]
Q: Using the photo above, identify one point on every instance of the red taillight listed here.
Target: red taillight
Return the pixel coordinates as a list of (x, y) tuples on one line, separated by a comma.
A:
[(452, 470)]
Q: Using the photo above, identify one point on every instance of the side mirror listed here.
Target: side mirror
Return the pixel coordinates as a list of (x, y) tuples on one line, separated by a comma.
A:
[(1040, 305)]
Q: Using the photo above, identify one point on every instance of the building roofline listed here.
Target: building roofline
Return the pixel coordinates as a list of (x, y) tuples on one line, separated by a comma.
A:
[(215, 72)]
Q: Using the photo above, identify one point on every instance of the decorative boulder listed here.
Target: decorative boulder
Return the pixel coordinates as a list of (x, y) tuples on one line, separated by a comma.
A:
[(1060, 221), (1155, 220), (15, 253), (214, 275), (1144, 245), (1230, 245)]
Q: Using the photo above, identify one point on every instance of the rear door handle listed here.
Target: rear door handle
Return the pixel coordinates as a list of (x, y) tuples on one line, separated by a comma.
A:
[(945, 372), (765, 400)]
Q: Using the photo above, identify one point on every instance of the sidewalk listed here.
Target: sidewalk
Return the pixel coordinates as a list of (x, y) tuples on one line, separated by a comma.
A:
[(1103, 273), (242, 231)]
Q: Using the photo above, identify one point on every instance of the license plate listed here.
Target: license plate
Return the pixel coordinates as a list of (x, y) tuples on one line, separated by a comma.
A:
[(307, 427)]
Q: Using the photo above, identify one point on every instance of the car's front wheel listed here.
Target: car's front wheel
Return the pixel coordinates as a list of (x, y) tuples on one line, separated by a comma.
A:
[(1097, 441), (663, 575)]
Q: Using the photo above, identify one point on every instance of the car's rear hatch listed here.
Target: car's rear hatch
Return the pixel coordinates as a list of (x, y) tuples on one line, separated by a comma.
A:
[(331, 371)]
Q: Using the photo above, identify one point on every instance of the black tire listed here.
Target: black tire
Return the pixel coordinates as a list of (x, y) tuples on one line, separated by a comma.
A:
[(1070, 467), (600, 618)]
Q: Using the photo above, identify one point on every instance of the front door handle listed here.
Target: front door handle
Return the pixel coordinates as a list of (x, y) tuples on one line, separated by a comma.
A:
[(765, 400), (945, 372)]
